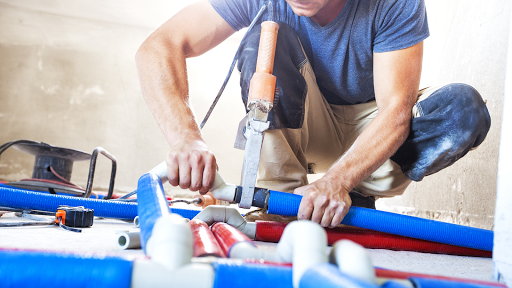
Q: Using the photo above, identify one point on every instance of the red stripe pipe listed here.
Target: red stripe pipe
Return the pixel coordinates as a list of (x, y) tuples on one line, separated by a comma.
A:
[(383, 273), (270, 231), (204, 242), (228, 235)]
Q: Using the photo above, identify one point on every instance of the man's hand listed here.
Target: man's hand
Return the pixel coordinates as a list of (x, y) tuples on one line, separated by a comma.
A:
[(324, 201), (191, 165)]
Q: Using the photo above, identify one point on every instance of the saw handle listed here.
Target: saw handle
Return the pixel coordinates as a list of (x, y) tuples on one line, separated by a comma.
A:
[(263, 83)]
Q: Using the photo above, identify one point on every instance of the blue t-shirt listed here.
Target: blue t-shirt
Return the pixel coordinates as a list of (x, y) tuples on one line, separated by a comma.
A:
[(341, 53)]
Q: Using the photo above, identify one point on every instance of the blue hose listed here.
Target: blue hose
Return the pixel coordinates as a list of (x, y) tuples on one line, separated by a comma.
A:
[(326, 275), (242, 275), (25, 199), (438, 283), (288, 204), (152, 205), (40, 269)]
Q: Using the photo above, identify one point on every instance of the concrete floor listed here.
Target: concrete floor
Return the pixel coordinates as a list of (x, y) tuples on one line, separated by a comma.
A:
[(101, 238)]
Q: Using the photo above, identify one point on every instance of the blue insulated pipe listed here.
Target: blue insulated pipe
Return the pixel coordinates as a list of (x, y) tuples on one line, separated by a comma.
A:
[(152, 205), (327, 275), (31, 200), (439, 283), (242, 275), (42, 269), (287, 204)]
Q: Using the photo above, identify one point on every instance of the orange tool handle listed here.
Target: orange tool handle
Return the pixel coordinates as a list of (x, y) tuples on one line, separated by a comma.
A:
[(263, 83)]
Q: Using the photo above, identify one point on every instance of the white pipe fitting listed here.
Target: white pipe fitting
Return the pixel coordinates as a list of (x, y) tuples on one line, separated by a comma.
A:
[(170, 243), (229, 215), (128, 240), (161, 171), (304, 243), (147, 273), (220, 190), (353, 260)]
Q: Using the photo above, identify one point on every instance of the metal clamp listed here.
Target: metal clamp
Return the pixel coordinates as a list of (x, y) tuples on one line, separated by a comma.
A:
[(92, 168)]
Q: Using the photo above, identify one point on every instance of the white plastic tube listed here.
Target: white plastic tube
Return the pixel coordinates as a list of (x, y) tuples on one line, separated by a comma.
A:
[(353, 260), (128, 240), (229, 215), (304, 243), (246, 250), (220, 190)]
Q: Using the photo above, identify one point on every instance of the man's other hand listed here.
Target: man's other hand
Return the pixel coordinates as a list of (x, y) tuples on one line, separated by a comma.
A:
[(324, 202), (191, 165)]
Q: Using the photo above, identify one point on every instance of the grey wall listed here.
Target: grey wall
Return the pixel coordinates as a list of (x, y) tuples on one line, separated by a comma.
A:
[(67, 77)]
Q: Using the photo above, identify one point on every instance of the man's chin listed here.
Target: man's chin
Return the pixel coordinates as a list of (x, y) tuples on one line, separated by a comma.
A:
[(303, 12)]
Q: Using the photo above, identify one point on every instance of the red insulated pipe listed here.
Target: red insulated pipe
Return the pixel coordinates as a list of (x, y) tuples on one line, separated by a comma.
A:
[(205, 243), (383, 273), (270, 231), (228, 235)]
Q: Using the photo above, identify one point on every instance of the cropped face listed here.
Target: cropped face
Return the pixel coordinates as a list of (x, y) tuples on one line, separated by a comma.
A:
[(307, 8)]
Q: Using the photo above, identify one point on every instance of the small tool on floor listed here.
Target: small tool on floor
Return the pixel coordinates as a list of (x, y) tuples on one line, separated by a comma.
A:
[(66, 217)]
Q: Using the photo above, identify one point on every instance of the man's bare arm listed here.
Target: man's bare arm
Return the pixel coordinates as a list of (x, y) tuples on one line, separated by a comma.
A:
[(163, 77), (396, 81)]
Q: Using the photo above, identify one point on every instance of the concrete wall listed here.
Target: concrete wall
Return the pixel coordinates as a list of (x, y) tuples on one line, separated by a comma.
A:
[(468, 44), (67, 77)]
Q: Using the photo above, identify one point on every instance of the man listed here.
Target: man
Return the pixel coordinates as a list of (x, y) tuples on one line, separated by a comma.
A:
[(347, 100)]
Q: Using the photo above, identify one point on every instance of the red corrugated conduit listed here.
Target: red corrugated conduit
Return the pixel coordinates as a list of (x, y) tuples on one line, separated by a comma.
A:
[(228, 235), (270, 231), (205, 243)]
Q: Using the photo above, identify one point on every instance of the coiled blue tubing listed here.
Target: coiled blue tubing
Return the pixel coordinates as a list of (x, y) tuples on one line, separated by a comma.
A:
[(287, 204)]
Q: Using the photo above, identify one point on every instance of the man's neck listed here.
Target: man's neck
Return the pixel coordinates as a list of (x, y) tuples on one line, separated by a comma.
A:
[(329, 12)]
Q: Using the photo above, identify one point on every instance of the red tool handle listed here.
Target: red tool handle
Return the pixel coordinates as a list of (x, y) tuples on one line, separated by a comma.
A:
[(263, 83)]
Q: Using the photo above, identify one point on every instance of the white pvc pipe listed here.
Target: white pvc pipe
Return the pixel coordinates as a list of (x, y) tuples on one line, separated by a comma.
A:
[(170, 243), (229, 215), (148, 273), (246, 250), (353, 260), (128, 240), (304, 243), (220, 190)]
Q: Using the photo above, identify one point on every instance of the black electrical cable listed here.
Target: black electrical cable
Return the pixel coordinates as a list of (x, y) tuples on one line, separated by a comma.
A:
[(5, 146), (67, 227), (263, 8)]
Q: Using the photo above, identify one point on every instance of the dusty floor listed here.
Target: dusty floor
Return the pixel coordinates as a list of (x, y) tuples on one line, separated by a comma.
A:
[(101, 238)]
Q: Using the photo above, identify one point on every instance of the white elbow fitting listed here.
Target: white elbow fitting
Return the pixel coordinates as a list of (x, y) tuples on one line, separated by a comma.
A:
[(353, 260), (222, 191), (304, 243), (128, 240), (161, 171), (170, 243), (229, 215)]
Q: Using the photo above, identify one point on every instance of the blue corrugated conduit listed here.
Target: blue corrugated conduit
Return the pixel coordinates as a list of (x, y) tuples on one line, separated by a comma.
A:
[(438, 283), (288, 204), (152, 205), (327, 275), (40, 269), (26, 199), (242, 275)]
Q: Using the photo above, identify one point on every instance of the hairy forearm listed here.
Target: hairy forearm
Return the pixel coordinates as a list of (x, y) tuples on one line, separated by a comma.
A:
[(372, 148), (163, 78)]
